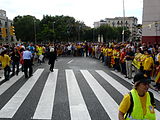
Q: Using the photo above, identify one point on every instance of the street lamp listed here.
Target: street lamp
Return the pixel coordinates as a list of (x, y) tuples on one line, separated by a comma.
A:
[(53, 31), (35, 31), (123, 22)]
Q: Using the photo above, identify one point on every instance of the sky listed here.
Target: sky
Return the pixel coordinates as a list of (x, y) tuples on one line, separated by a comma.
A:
[(87, 11)]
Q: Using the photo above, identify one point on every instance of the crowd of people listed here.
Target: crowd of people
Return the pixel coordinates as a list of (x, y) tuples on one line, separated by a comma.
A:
[(126, 58), (122, 57), (12, 56)]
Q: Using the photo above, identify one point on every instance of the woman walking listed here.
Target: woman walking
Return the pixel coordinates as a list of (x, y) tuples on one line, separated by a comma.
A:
[(52, 58)]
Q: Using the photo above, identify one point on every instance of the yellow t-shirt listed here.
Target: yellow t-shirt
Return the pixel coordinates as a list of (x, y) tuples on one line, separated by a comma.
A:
[(105, 51), (5, 60), (114, 53), (40, 50), (109, 51), (125, 103), (148, 63), (142, 59)]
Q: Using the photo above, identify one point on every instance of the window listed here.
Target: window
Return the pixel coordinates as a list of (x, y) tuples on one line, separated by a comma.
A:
[(5, 24)]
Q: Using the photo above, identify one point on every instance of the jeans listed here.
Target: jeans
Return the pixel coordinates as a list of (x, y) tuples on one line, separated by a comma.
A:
[(7, 71)]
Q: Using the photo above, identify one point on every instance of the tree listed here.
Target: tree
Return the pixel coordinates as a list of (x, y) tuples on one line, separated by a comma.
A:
[(24, 27), (50, 29)]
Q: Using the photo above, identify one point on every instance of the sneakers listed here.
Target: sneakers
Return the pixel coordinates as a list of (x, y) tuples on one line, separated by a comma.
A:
[(51, 70), (126, 77)]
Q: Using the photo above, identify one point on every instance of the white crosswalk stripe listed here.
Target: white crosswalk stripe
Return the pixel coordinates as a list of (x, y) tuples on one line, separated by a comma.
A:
[(8, 84), (77, 104), (45, 105), (118, 86), (156, 94), (78, 107), (102, 95), (12, 106)]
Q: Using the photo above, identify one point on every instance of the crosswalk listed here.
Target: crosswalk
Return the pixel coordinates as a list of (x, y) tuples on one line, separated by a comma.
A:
[(80, 106)]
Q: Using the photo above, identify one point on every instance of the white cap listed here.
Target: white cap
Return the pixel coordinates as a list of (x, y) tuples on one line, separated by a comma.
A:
[(52, 50)]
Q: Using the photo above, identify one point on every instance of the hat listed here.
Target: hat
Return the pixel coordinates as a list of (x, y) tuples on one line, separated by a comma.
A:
[(142, 78), (52, 50)]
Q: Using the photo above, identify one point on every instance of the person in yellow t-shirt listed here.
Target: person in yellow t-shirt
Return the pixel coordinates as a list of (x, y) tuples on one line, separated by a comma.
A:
[(5, 60), (148, 63), (116, 55), (142, 107), (136, 61), (109, 55), (105, 51), (101, 57)]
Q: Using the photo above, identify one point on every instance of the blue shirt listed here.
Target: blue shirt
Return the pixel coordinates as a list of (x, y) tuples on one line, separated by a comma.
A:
[(27, 55)]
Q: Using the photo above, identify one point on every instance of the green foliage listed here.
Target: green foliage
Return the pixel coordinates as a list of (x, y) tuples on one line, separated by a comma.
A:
[(111, 33), (24, 28), (62, 29)]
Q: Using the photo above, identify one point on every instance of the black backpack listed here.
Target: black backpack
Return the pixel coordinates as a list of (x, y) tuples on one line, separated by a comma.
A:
[(131, 106)]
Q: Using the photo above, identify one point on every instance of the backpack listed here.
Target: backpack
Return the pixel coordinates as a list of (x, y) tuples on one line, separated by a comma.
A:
[(131, 105)]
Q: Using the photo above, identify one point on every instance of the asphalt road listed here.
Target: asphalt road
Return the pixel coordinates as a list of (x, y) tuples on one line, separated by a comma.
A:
[(80, 88)]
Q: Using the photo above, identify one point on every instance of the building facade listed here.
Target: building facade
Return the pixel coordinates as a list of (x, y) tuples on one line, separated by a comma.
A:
[(6, 29), (130, 23), (151, 22)]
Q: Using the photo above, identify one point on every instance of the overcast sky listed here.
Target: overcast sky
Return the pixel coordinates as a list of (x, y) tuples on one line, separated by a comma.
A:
[(88, 11)]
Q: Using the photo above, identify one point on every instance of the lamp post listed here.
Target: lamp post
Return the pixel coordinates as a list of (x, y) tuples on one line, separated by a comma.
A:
[(53, 31), (123, 22), (35, 39)]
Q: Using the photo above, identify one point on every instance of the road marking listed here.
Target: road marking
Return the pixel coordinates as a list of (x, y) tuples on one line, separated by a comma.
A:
[(123, 90), (9, 83), (113, 82), (14, 103), (70, 61), (45, 104), (108, 103), (78, 109)]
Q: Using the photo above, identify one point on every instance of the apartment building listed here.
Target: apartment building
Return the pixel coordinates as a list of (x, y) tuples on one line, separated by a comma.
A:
[(6, 29), (151, 22), (130, 23)]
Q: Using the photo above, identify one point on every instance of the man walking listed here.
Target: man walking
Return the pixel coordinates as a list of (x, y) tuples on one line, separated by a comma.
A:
[(27, 57), (52, 58), (15, 57)]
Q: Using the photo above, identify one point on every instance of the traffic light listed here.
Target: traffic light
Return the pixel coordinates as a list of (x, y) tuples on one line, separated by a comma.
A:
[(3, 32), (12, 31)]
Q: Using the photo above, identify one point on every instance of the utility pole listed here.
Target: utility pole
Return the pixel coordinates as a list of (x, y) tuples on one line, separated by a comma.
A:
[(35, 39), (123, 22), (53, 32)]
